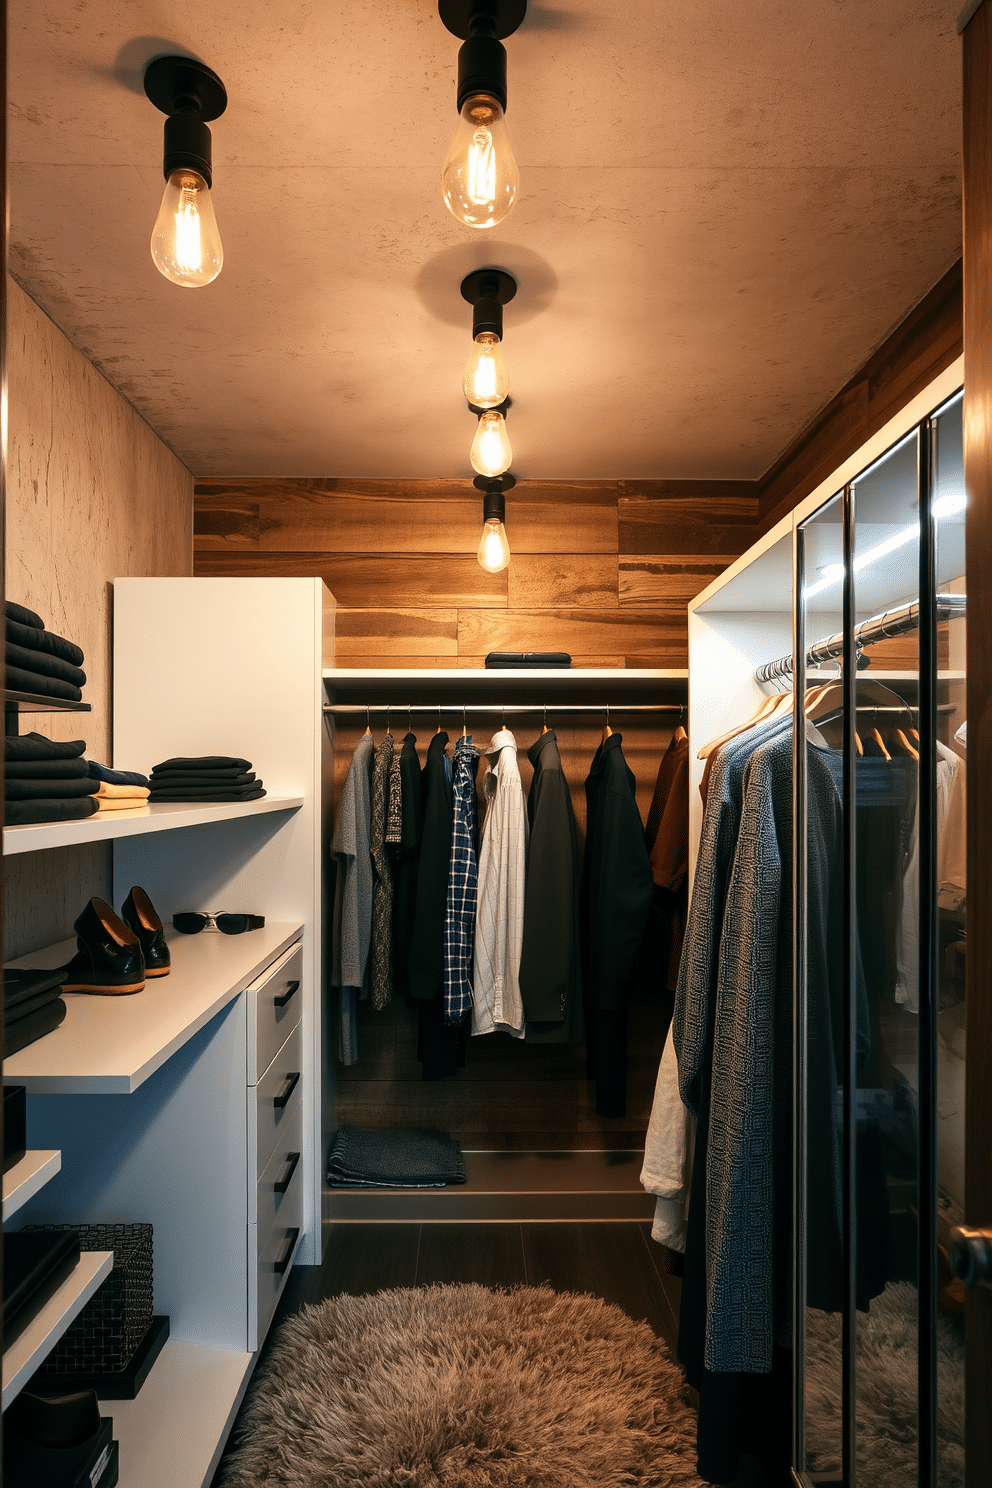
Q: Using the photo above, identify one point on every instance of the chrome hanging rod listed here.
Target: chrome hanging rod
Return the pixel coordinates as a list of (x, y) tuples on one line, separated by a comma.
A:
[(461, 708), (878, 628)]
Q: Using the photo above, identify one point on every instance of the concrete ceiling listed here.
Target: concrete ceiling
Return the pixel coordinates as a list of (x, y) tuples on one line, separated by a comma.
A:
[(724, 210)]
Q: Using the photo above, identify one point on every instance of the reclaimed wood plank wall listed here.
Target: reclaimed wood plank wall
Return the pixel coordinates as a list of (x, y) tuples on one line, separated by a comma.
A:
[(601, 569)]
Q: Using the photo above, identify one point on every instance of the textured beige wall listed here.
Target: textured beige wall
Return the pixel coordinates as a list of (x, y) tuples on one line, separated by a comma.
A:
[(92, 494)]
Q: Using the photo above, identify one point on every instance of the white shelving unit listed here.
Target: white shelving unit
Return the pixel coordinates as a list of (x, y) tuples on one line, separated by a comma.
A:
[(163, 816), (112, 1045), (44, 1331), (27, 1178)]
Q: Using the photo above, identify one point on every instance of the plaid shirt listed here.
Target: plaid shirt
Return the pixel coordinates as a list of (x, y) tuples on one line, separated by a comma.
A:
[(463, 883)]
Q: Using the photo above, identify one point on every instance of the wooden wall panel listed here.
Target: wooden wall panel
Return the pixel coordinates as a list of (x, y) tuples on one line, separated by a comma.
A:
[(658, 636), (383, 632), (586, 581), (686, 525), (392, 580), (657, 578)]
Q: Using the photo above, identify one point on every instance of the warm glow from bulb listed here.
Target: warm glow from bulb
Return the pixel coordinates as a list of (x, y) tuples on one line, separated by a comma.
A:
[(480, 179), (185, 242), (494, 550), (491, 453), (486, 382)]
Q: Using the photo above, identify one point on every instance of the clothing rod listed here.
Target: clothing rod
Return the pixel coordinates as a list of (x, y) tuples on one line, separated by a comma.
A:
[(536, 708), (878, 628)]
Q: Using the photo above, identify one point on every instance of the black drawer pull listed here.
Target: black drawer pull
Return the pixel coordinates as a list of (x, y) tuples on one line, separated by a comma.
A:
[(283, 1184), (280, 1266), (291, 989), (282, 1099)]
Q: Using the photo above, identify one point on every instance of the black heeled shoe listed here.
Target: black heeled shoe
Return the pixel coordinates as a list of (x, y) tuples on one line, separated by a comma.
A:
[(109, 959), (138, 913)]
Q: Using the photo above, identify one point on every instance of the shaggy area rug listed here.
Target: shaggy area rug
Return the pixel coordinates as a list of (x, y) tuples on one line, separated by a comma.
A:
[(886, 1384), (463, 1387)]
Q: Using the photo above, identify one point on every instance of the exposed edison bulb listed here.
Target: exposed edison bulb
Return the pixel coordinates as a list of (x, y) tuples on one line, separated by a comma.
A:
[(494, 550), (480, 179), (186, 245), (491, 453), (486, 381)]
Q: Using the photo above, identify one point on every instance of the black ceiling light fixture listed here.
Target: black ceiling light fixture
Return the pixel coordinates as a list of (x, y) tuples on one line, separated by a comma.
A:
[(494, 550), (186, 245), (480, 179)]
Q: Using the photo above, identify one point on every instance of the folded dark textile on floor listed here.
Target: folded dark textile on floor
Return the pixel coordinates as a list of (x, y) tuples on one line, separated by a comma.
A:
[(23, 616), (203, 762), (28, 1006), (336, 1182), (195, 798), (37, 747), (64, 769), (114, 777), (44, 640), (28, 1030), (26, 813), (48, 666), (411, 1156), (48, 789), (219, 781), (20, 983), (524, 659), (18, 680)]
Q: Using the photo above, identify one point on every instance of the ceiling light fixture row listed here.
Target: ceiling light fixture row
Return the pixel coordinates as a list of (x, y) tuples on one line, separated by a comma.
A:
[(486, 385)]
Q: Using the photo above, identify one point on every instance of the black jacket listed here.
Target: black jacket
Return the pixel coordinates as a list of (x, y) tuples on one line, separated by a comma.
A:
[(550, 975), (427, 940), (405, 874)]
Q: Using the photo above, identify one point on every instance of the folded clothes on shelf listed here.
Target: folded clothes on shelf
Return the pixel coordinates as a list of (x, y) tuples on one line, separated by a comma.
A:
[(56, 769), (106, 790), (46, 780), (33, 639), (114, 777), (206, 778), (33, 1026), (32, 1005), (48, 787), (19, 680), (27, 813), (37, 747), (38, 660), (407, 1157), (23, 616), (45, 663)]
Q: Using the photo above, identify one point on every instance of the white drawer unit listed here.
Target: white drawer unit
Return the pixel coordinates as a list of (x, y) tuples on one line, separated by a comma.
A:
[(279, 1218), (274, 1004), (274, 1099)]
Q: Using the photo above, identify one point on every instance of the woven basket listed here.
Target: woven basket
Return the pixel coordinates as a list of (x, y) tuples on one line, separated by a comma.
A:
[(106, 1333)]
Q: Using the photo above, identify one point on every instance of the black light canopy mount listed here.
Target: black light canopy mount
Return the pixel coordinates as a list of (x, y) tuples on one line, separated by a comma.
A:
[(480, 180), (191, 95), (487, 291), (482, 25)]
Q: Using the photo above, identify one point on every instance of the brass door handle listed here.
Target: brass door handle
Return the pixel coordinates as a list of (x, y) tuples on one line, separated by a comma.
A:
[(969, 1252)]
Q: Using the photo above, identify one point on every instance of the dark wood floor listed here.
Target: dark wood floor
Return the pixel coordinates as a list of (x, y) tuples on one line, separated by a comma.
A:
[(618, 1262)]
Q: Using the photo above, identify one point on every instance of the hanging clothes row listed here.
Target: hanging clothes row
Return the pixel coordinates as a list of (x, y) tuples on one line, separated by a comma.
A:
[(515, 929)]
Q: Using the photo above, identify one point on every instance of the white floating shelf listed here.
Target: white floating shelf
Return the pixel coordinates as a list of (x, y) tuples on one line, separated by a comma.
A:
[(172, 1434), (163, 816), (44, 1331), (27, 1177), (111, 1045)]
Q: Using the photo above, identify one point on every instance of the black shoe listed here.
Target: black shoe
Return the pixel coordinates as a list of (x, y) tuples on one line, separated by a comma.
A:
[(58, 1443), (109, 959), (138, 913)]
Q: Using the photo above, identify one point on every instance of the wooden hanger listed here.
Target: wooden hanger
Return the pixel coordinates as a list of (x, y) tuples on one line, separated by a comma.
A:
[(903, 744), (769, 708), (680, 733), (914, 734), (368, 720), (464, 723), (544, 726), (879, 743), (438, 729)]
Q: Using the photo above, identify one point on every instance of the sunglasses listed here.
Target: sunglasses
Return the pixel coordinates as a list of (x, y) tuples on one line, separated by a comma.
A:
[(228, 924)]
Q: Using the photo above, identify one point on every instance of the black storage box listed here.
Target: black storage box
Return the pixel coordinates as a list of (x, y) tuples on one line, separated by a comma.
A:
[(15, 1139), (34, 1267)]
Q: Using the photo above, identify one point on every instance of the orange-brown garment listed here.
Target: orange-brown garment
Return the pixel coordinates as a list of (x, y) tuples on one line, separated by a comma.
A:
[(667, 835)]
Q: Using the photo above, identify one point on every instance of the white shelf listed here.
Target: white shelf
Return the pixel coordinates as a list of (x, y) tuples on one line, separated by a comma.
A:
[(111, 1045), (163, 816), (609, 684), (40, 1336), (171, 1435), (27, 1177)]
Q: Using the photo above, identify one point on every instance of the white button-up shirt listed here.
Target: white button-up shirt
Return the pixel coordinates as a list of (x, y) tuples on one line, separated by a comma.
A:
[(499, 925)]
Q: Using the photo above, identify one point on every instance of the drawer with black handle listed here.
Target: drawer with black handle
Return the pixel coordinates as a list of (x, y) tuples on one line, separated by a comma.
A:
[(275, 1004), (276, 1097)]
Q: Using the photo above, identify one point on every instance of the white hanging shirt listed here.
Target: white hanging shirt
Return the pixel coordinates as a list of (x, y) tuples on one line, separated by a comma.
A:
[(499, 924)]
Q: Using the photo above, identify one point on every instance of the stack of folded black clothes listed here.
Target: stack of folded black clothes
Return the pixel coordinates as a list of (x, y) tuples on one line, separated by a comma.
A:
[(32, 1006), (407, 1157), (210, 777), (46, 781), (39, 661)]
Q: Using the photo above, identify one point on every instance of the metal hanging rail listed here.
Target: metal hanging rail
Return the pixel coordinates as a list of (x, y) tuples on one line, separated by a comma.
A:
[(878, 628)]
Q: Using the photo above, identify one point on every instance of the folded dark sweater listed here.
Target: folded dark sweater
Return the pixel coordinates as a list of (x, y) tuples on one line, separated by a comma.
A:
[(66, 769), (28, 1030), (40, 661), (19, 680), (23, 982), (25, 813), (37, 747), (195, 798), (201, 763), (39, 790), (114, 777), (44, 640), (180, 778), (23, 616), (14, 1013), (405, 1156)]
